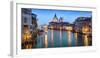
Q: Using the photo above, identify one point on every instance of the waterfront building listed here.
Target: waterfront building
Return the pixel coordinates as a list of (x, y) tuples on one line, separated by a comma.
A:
[(55, 18), (29, 28), (81, 22), (28, 19), (58, 23)]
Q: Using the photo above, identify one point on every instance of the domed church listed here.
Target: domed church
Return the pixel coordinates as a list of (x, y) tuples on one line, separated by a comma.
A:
[(55, 18)]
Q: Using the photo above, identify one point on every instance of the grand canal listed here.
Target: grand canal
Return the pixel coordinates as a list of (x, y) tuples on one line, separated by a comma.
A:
[(58, 38)]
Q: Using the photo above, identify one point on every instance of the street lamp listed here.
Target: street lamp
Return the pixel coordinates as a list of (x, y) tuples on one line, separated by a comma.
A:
[(85, 29)]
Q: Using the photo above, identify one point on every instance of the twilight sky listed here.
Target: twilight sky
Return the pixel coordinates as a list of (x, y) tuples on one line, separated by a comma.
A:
[(46, 15)]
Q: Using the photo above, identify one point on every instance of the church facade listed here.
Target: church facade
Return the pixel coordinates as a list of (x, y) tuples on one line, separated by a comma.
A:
[(58, 23)]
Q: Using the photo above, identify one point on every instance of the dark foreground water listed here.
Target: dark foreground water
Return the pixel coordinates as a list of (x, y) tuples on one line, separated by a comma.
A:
[(56, 38)]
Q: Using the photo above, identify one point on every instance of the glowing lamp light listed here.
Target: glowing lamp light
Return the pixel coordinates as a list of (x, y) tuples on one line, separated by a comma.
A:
[(85, 30), (69, 28)]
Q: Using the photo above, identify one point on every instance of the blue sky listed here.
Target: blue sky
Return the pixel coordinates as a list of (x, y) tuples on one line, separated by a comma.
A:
[(46, 15)]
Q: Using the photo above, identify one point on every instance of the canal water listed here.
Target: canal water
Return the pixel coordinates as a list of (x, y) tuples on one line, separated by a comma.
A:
[(57, 38)]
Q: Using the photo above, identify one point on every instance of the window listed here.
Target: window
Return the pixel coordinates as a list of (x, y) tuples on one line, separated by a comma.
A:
[(25, 20), (31, 27)]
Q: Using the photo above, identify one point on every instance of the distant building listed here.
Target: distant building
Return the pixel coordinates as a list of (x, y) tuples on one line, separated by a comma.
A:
[(56, 23), (55, 19)]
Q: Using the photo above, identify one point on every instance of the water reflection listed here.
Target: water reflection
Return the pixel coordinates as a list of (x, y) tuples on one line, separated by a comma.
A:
[(69, 38), (52, 38), (59, 38), (46, 40), (85, 40), (46, 36), (76, 38), (28, 46)]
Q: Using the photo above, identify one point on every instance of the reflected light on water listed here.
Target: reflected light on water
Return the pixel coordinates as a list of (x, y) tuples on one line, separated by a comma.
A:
[(60, 37), (46, 41), (76, 37), (52, 37), (29, 46), (46, 36), (85, 31), (69, 38), (85, 40)]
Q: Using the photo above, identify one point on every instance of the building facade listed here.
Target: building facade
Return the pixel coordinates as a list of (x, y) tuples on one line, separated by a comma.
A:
[(29, 28), (58, 23), (81, 22), (28, 19)]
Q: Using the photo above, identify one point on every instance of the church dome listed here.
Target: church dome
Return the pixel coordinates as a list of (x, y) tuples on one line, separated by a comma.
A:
[(55, 18), (61, 19)]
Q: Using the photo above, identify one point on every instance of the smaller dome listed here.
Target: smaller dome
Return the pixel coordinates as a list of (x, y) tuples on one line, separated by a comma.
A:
[(61, 19)]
